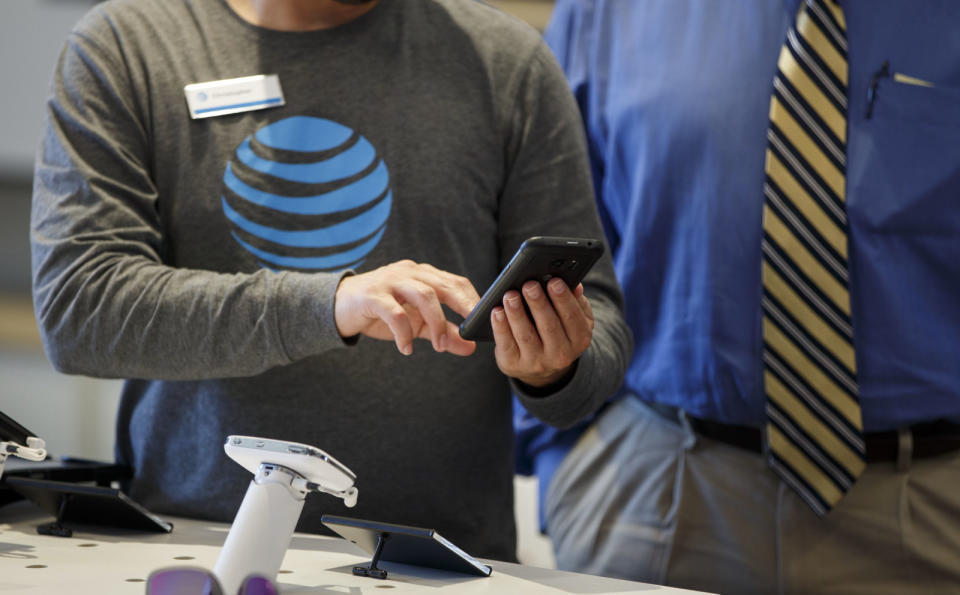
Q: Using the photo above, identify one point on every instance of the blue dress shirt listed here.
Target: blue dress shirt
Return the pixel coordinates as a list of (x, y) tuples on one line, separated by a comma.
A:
[(675, 97)]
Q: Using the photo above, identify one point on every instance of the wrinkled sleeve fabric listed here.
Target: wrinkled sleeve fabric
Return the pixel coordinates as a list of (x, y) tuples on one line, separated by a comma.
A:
[(106, 302), (548, 161)]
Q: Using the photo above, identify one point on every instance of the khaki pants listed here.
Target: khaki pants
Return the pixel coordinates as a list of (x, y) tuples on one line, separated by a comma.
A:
[(644, 498)]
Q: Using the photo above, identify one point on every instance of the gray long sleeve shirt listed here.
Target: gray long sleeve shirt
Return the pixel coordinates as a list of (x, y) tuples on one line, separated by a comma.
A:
[(199, 258)]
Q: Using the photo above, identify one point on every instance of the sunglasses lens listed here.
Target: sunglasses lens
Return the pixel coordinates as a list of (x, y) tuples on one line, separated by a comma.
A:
[(182, 581), (257, 585)]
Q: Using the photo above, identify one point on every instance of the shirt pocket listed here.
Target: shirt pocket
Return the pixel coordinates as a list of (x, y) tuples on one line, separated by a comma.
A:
[(906, 97), (904, 162)]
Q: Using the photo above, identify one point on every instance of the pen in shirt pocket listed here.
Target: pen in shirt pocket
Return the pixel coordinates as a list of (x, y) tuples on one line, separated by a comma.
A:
[(910, 80), (898, 77)]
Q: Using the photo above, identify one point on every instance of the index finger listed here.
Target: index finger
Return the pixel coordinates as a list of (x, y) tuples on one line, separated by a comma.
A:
[(425, 301), (455, 291)]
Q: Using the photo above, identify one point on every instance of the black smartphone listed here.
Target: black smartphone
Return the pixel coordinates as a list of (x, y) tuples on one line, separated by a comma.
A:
[(539, 258), (13, 431)]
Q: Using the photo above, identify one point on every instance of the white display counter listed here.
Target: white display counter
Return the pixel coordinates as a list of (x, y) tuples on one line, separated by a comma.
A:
[(102, 561)]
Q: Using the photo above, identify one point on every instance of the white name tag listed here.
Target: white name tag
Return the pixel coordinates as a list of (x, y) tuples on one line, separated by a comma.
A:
[(231, 96)]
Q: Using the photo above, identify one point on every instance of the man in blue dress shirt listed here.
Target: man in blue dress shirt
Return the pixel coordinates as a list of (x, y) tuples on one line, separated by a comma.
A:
[(670, 483)]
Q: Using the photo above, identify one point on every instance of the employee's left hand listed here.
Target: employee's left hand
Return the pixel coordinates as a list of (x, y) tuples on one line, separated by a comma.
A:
[(541, 351)]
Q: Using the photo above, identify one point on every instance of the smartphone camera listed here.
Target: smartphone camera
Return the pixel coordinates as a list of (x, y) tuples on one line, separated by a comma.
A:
[(572, 264), (557, 263)]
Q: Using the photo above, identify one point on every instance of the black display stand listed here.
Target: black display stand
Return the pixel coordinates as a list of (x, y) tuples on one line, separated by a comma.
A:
[(63, 487), (372, 571), (403, 544), (86, 504)]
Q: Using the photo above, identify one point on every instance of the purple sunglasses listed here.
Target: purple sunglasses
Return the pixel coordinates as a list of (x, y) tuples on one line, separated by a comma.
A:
[(199, 581)]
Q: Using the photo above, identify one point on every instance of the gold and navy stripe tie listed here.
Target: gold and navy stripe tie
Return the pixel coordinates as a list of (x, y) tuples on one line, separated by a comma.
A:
[(814, 427)]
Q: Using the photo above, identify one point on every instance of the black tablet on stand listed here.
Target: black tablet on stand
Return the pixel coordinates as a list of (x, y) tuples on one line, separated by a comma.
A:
[(86, 504), (73, 491), (403, 544)]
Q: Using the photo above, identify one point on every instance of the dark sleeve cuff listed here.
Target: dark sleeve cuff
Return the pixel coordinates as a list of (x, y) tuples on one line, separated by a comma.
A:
[(564, 404)]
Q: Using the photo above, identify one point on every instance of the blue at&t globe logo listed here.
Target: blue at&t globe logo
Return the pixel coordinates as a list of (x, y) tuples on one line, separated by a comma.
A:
[(306, 193)]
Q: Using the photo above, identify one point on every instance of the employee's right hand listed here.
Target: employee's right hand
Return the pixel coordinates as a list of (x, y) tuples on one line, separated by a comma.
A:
[(402, 301)]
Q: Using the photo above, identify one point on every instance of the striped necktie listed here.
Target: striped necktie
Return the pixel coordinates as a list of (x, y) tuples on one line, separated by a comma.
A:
[(814, 429)]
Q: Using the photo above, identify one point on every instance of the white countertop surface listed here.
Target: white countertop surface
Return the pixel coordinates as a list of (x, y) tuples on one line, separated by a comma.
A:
[(99, 560)]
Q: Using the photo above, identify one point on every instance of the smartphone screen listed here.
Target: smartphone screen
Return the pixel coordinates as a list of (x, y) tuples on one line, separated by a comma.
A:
[(539, 258)]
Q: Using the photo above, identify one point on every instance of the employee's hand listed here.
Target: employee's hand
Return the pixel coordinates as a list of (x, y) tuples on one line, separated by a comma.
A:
[(541, 351), (402, 301)]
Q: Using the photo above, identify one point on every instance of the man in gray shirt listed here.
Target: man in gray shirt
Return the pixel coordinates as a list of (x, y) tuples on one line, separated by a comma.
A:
[(226, 265)]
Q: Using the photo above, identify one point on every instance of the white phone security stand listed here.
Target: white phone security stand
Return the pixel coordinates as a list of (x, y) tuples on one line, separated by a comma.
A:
[(13, 436), (35, 450), (284, 473)]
